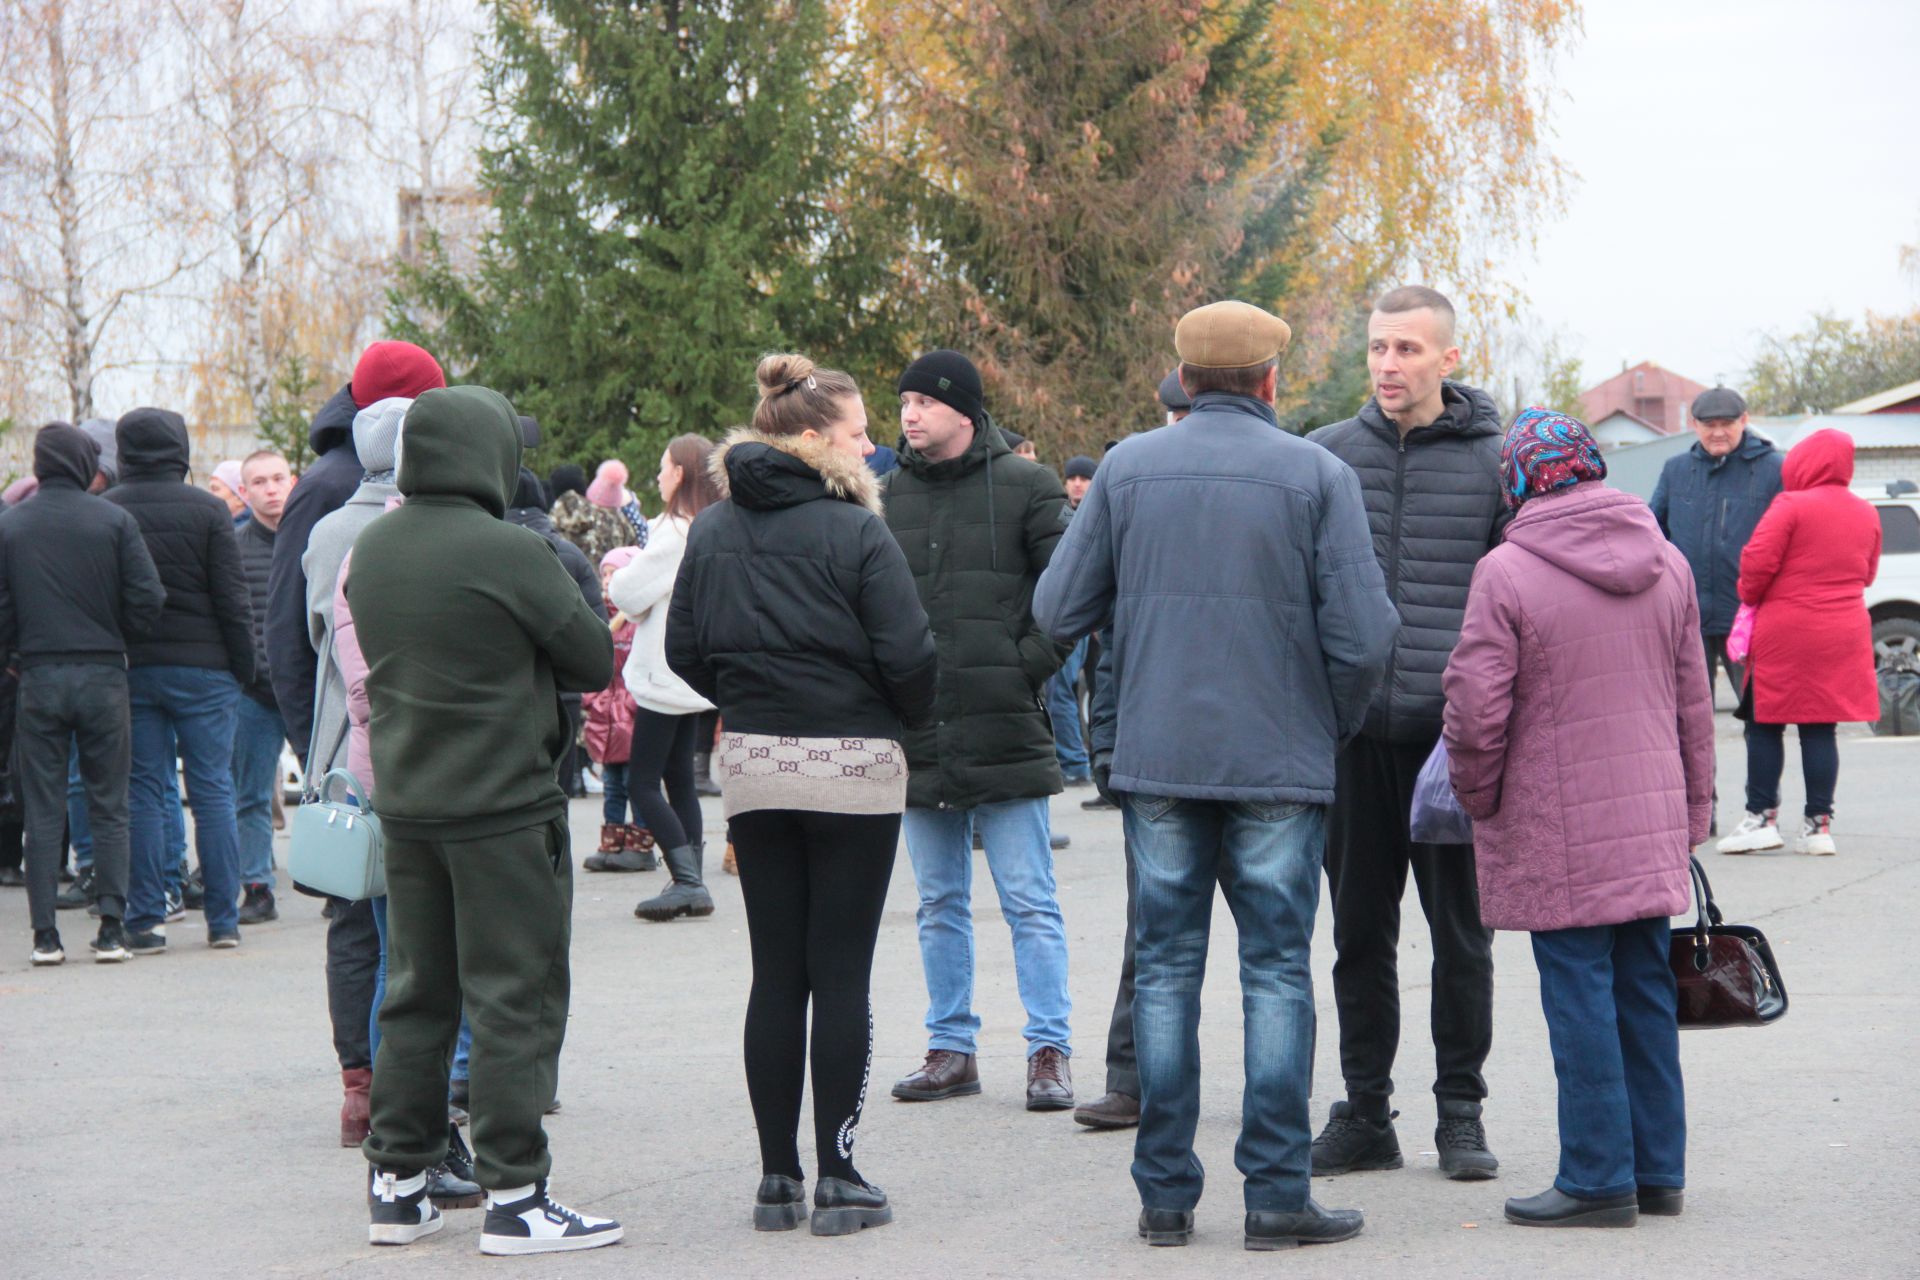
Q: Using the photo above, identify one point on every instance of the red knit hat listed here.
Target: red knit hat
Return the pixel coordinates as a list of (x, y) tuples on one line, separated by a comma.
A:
[(394, 369)]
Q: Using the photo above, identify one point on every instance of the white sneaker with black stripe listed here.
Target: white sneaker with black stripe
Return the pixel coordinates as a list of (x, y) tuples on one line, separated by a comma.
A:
[(398, 1208), (528, 1220)]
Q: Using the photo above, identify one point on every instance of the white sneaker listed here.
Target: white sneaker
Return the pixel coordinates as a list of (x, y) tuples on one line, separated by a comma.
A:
[(1757, 832), (400, 1209), (528, 1220), (1816, 837)]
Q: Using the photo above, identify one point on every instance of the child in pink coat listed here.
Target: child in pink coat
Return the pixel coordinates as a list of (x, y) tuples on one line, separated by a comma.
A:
[(624, 846)]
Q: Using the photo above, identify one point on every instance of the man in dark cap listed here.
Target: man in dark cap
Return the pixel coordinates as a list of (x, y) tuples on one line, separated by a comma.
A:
[(1238, 674), (76, 584), (978, 524)]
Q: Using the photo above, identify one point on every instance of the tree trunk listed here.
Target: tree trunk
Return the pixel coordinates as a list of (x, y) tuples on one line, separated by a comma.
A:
[(77, 345)]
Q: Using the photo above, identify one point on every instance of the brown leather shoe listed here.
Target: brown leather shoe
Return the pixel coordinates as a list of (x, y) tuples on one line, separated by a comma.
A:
[(1049, 1080), (354, 1124), (945, 1074), (1110, 1111)]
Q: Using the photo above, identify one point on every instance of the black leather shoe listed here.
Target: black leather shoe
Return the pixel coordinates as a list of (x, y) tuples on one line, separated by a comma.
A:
[(841, 1208), (1110, 1111), (945, 1074), (1269, 1229), (1049, 1081), (450, 1183), (780, 1204), (1351, 1143), (1661, 1202), (1461, 1141), (1555, 1208), (1166, 1227)]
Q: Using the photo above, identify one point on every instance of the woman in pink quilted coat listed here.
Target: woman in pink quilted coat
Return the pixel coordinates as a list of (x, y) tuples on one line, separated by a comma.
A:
[(1580, 732)]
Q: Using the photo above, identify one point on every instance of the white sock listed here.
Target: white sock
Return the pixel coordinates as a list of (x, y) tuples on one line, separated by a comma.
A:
[(406, 1186), (508, 1195)]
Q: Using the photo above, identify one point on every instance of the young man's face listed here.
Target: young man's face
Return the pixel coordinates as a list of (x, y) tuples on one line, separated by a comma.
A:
[(268, 483), (1077, 487), (1409, 353), (934, 428), (1720, 436)]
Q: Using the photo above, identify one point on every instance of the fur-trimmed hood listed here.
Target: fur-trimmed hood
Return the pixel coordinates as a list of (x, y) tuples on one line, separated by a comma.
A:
[(766, 472)]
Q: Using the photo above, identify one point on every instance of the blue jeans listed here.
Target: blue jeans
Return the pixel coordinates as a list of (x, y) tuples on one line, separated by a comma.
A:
[(257, 737), (613, 804), (194, 707), (1610, 1002), (1063, 705), (940, 842), (1266, 859), (79, 829), (462, 1045)]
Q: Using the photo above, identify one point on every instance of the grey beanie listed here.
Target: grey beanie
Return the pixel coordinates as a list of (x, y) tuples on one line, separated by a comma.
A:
[(376, 428), (100, 431)]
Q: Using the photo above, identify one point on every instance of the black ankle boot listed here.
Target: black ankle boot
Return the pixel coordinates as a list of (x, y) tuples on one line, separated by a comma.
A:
[(450, 1183), (687, 895)]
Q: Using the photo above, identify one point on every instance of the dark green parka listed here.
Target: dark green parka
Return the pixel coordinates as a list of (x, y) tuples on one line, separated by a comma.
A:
[(977, 531)]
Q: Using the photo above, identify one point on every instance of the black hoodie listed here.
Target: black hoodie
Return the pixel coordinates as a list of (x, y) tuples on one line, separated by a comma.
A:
[(76, 582), (208, 620)]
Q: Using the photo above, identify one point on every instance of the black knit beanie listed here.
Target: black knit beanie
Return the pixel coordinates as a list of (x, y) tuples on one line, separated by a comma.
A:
[(946, 376)]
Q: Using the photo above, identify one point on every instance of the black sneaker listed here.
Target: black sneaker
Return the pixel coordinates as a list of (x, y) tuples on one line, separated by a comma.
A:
[(398, 1209), (780, 1204), (110, 947), (176, 907), (193, 894), (537, 1223), (450, 1183), (151, 942), (78, 894), (1269, 1229), (1351, 1143), (257, 907), (47, 949), (223, 939), (841, 1208), (1462, 1143)]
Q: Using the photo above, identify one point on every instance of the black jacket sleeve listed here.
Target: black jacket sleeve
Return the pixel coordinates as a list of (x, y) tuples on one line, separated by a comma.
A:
[(583, 575), (227, 588), (142, 596), (291, 660), (1103, 711), (684, 656), (896, 623)]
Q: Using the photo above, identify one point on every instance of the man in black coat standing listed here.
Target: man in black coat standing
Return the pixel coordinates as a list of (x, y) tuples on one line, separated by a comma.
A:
[(76, 582), (1427, 452), (260, 732)]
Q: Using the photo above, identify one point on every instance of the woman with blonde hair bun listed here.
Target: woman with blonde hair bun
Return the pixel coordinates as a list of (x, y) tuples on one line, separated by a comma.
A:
[(795, 612)]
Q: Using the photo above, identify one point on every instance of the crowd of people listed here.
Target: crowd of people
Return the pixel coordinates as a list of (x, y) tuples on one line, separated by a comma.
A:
[(847, 643)]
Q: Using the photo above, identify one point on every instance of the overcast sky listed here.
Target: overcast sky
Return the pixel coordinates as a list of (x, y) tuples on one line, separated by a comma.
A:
[(1740, 164)]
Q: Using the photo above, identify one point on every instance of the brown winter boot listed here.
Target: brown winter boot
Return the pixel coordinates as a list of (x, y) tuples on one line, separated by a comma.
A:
[(613, 839), (354, 1121), (637, 839), (633, 852)]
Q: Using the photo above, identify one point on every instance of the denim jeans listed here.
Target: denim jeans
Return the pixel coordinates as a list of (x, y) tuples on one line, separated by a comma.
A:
[(79, 828), (1063, 705), (940, 842), (1612, 1019), (257, 737), (462, 1045), (613, 804), (195, 707), (1266, 859)]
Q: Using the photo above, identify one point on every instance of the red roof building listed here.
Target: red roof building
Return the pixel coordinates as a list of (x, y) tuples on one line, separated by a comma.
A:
[(1658, 397)]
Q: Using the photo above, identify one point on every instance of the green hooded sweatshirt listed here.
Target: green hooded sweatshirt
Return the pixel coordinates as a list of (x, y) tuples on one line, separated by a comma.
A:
[(470, 628)]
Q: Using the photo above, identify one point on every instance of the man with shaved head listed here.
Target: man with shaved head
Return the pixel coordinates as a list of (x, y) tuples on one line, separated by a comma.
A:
[(1427, 451)]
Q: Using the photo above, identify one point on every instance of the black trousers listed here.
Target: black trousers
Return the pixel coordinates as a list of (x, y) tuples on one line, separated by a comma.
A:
[(62, 704), (1716, 647), (662, 755), (353, 962), (1368, 856), (814, 885), (1123, 1060)]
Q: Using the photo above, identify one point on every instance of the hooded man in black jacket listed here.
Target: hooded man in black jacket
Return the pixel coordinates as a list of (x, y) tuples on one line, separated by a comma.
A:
[(1427, 452), (529, 511), (76, 582), (186, 676)]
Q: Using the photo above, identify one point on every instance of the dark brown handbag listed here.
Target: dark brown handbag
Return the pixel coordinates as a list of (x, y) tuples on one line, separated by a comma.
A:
[(1726, 972)]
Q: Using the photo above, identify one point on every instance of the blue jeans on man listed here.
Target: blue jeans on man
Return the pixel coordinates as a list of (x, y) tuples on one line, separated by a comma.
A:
[(1063, 707), (79, 829), (1266, 858), (192, 707), (258, 735), (1015, 832), (1609, 995)]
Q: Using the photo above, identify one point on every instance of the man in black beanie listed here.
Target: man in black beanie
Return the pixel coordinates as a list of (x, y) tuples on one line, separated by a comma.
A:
[(978, 525)]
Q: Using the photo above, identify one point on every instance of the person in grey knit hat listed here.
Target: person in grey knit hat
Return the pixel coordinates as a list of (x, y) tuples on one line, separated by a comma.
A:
[(107, 470)]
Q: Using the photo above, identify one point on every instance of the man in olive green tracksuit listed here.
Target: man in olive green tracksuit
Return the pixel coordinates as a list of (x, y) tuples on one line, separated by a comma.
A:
[(470, 628)]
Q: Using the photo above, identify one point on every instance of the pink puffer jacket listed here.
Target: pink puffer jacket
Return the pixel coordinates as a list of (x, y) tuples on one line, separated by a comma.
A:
[(1578, 717)]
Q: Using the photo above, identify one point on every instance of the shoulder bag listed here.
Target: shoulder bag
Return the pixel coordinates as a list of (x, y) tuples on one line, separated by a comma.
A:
[(1726, 972), (334, 838)]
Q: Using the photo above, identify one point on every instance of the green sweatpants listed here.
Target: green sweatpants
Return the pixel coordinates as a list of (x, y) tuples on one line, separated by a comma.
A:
[(488, 922)]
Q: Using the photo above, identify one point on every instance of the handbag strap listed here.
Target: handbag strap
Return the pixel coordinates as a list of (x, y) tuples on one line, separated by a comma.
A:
[(1708, 910), (310, 789)]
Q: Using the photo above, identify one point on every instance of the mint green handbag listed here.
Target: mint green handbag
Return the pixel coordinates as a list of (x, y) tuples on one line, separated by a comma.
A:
[(334, 838)]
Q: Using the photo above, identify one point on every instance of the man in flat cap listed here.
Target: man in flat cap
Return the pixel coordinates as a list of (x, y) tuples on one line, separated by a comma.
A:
[(1250, 626), (1427, 452)]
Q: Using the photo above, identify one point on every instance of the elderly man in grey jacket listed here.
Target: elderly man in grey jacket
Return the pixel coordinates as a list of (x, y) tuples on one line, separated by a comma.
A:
[(1239, 673)]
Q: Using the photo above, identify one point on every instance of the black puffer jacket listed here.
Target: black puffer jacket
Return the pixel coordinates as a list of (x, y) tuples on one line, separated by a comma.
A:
[(324, 488), (793, 611), (207, 621), (528, 514), (978, 531), (256, 561), (1435, 507)]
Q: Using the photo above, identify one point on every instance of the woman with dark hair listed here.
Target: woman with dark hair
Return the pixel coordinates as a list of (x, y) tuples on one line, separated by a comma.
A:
[(661, 754), (796, 612)]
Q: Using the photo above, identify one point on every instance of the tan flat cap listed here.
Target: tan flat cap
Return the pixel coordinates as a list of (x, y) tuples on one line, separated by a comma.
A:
[(1229, 335)]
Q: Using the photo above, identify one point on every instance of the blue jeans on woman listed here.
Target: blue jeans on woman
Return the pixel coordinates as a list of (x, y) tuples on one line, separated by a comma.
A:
[(462, 1045), (1613, 1021), (1266, 858)]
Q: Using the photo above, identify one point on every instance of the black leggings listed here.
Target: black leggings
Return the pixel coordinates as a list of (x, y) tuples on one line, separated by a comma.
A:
[(814, 886), (1767, 759), (663, 753)]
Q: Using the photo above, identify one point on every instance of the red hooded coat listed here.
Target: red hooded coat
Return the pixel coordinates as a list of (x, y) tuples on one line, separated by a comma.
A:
[(1806, 571)]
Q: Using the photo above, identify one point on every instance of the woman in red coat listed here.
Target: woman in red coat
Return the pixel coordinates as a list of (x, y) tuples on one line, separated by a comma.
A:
[(1805, 572)]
